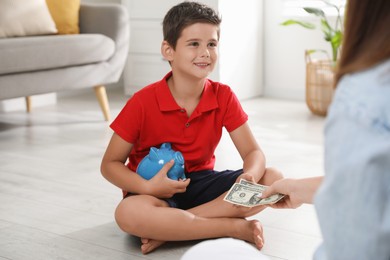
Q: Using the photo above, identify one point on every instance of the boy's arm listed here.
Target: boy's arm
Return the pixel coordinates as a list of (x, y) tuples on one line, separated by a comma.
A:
[(250, 152), (113, 168)]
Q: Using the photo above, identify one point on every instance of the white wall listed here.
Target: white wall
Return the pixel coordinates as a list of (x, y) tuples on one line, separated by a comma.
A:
[(17, 104), (272, 55), (241, 44), (284, 48), (252, 38), (240, 60)]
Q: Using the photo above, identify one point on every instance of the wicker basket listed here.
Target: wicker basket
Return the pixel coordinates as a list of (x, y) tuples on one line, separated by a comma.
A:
[(319, 84)]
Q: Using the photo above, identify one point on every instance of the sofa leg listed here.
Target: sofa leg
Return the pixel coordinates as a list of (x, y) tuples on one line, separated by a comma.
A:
[(28, 104), (101, 95)]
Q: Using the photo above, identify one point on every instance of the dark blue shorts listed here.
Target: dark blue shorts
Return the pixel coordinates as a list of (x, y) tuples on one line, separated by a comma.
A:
[(204, 186)]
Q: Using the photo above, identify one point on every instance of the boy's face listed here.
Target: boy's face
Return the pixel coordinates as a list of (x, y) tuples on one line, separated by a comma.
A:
[(196, 51)]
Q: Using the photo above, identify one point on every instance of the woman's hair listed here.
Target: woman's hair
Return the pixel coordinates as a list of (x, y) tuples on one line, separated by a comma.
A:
[(367, 36), (185, 14)]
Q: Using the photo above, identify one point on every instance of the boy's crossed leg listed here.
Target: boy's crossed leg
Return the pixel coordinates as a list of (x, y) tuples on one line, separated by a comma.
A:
[(148, 217), (155, 222)]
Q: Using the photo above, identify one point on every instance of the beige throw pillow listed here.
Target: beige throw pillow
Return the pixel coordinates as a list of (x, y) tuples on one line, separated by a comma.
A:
[(25, 18)]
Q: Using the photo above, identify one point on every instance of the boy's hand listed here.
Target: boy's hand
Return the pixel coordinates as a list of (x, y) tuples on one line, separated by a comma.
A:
[(161, 186), (246, 176)]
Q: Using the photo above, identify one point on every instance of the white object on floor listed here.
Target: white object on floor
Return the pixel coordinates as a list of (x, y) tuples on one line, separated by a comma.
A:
[(224, 249)]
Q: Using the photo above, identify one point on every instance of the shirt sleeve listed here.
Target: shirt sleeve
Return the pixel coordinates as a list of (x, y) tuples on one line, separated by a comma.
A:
[(235, 115), (127, 123), (353, 203)]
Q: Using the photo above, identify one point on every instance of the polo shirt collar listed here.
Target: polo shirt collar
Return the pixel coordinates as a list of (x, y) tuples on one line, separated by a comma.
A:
[(166, 101)]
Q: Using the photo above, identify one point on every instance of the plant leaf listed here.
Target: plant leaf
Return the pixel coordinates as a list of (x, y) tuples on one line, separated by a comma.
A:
[(337, 39), (315, 11), (301, 23), (311, 51), (326, 29), (318, 50)]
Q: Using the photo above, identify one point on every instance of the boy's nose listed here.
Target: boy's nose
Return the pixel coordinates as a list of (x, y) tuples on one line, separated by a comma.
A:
[(205, 53)]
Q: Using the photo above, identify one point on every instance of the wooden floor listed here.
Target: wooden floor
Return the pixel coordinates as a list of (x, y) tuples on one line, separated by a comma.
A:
[(54, 204)]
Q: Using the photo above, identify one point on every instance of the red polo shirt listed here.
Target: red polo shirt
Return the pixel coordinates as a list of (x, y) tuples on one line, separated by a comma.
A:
[(152, 117)]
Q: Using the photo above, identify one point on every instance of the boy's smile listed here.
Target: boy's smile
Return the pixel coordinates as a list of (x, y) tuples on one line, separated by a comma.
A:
[(196, 51)]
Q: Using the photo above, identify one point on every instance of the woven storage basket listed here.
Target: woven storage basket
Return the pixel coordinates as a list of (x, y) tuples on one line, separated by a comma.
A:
[(319, 84)]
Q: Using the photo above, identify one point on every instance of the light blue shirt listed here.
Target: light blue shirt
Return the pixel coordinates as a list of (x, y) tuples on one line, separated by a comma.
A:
[(353, 203)]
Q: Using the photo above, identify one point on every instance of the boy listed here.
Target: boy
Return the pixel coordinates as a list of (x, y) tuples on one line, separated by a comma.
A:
[(181, 109)]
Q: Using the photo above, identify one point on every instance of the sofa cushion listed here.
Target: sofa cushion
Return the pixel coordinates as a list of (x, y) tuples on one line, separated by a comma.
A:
[(24, 54), (65, 15), (25, 18)]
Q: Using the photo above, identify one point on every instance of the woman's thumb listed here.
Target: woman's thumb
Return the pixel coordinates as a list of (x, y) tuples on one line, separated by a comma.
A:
[(267, 192)]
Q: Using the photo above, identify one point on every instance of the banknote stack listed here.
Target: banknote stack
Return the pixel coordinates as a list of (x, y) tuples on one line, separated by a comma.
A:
[(248, 194)]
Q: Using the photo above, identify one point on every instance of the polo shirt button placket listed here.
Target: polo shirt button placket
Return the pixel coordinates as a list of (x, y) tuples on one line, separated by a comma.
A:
[(187, 125)]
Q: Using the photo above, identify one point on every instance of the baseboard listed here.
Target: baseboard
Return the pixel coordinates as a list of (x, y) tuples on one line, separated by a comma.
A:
[(16, 104), (287, 93)]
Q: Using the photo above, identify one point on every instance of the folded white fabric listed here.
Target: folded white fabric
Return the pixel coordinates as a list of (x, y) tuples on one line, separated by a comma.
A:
[(223, 249)]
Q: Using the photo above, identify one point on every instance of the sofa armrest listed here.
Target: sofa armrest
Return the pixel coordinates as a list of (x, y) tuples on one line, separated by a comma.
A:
[(111, 20)]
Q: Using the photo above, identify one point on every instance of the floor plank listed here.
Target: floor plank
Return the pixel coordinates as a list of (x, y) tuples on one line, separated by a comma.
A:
[(54, 203), (21, 242)]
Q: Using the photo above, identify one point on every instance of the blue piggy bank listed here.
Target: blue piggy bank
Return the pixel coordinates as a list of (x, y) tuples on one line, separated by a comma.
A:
[(157, 158)]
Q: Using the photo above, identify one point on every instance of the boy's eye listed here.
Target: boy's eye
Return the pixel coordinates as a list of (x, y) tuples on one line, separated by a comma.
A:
[(212, 44), (194, 44)]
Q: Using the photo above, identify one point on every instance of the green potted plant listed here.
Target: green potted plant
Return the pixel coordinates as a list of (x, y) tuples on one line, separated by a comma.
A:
[(320, 73), (333, 35)]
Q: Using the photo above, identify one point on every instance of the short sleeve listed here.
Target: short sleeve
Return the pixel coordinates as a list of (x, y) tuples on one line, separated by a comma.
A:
[(235, 115), (127, 123)]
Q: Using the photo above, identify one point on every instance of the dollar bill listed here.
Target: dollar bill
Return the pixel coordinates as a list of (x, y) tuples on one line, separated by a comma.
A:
[(249, 183), (270, 200), (248, 194)]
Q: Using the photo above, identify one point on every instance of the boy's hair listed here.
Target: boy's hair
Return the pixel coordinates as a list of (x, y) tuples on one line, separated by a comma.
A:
[(185, 14)]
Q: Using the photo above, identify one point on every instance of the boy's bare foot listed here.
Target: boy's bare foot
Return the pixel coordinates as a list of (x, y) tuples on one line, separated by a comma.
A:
[(148, 245), (251, 231)]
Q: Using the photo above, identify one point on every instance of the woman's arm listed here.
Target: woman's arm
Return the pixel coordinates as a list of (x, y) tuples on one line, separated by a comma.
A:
[(297, 191)]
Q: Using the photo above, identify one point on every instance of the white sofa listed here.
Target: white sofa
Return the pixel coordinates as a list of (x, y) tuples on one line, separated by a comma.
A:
[(51, 63)]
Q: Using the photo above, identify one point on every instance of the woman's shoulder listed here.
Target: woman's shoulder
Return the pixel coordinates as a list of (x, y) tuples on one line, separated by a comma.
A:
[(373, 79), (370, 86), (364, 97)]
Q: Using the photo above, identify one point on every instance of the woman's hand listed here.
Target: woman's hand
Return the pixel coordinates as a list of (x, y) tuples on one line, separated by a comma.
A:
[(288, 187), (161, 186), (297, 191)]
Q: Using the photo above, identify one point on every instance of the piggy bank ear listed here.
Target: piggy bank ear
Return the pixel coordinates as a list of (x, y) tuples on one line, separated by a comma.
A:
[(153, 154), (166, 146), (178, 158)]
